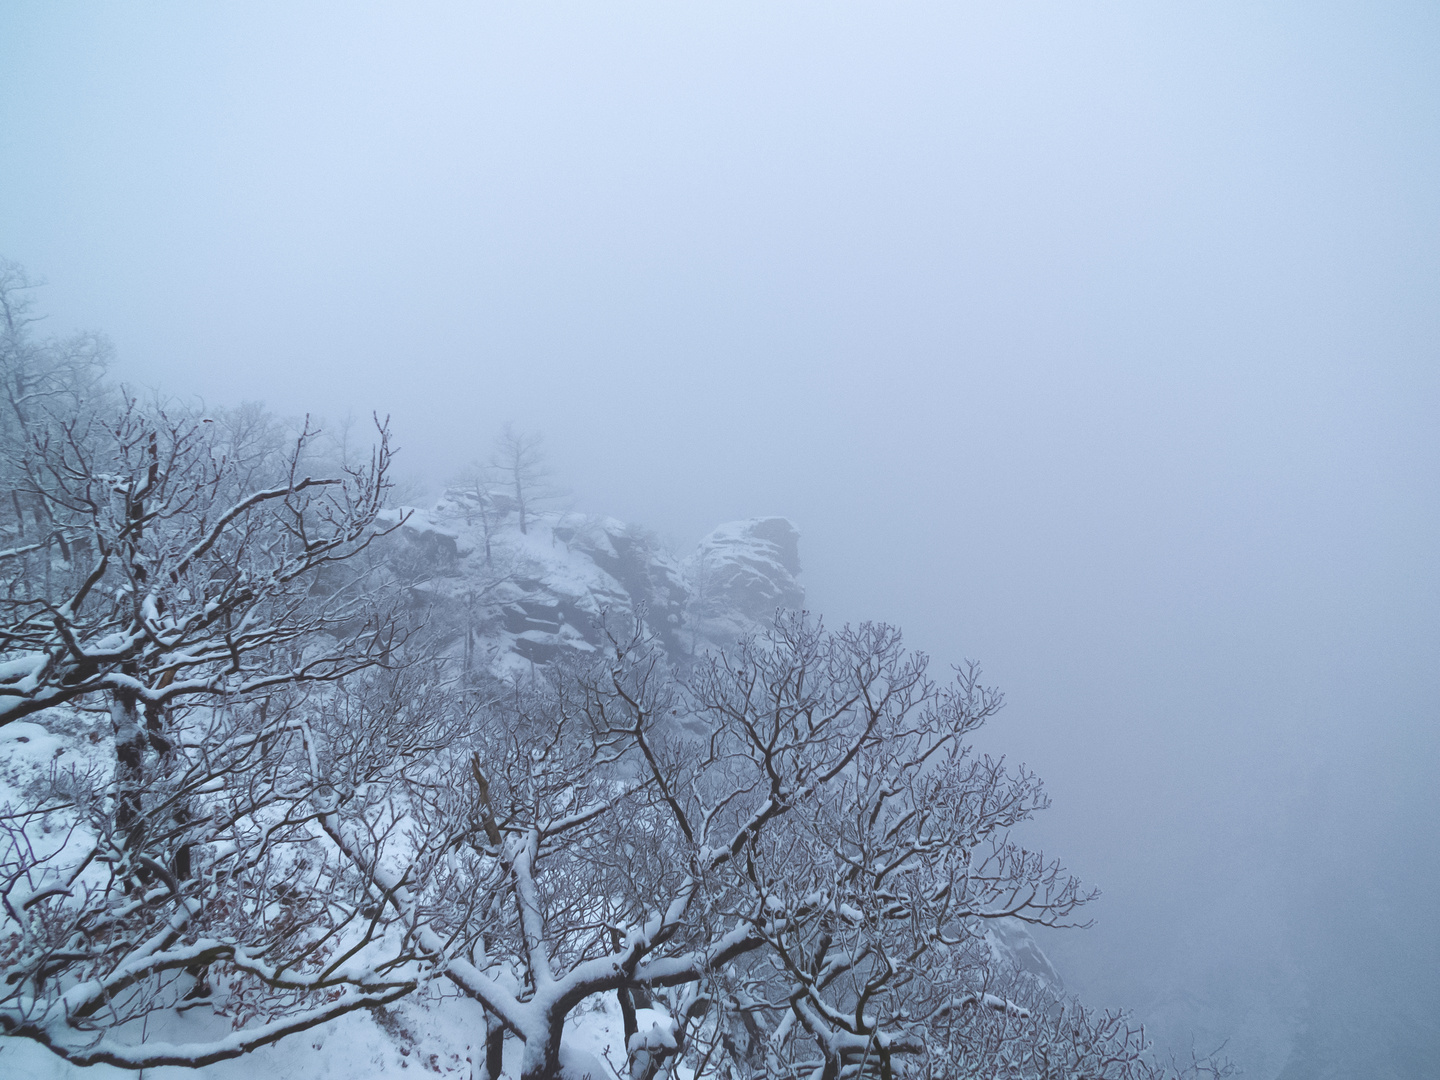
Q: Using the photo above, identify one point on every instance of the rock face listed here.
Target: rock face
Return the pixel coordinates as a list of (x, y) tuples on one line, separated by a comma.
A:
[(1013, 948), (507, 600), (746, 569)]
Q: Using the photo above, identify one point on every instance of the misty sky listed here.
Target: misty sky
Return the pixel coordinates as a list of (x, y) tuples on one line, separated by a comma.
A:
[(1100, 343)]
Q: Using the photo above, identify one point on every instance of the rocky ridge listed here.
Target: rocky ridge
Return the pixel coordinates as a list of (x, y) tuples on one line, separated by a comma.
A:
[(506, 599)]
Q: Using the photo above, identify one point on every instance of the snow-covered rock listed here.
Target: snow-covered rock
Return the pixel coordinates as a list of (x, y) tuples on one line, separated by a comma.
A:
[(1014, 948), (740, 575), (507, 600)]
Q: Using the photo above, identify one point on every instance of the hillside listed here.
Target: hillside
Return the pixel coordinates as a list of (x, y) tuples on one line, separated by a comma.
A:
[(506, 601)]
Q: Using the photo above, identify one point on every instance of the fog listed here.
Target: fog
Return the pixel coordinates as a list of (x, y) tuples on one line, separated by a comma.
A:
[(1098, 343)]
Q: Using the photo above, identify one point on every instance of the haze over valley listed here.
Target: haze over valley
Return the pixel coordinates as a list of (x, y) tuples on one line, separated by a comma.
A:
[(1101, 348)]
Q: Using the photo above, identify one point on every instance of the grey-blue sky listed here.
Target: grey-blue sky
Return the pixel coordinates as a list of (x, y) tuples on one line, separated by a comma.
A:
[(1098, 342)]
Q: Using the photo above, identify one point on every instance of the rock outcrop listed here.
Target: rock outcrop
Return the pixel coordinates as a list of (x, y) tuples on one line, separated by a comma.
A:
[(505, 600), (739, 576)]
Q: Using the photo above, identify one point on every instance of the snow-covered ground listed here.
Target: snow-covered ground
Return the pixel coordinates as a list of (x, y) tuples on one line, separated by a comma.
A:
[(436, 1032), (440, 1035)]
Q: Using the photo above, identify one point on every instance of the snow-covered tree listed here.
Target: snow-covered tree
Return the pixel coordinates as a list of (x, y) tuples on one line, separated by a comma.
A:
[(792, 850), (796, 851), (519, 464), (174, 584)]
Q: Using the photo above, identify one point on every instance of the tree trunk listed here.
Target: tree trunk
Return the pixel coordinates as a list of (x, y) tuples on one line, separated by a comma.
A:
[(543, 1063), (129, 767), (494, 1050), (627, 1012), (542, 1055)]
